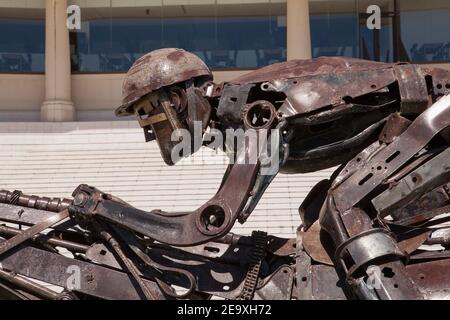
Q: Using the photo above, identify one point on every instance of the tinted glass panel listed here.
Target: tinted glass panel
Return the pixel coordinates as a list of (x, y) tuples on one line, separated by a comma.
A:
[(22, 38), (334, 28), (344, 39), (376, 44), (238, 35), (425, 30), (339, 28)]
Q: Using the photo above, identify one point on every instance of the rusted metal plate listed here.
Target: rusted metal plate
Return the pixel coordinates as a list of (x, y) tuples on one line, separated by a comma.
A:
[(27, 216), (314, 92), (318, 245), (94, 280), (427, 177), (433, 278), (395, 126), (298, 68), (410, 243), (441, 80), (325, 283), (393, 156), (413, 88), (278, 287)]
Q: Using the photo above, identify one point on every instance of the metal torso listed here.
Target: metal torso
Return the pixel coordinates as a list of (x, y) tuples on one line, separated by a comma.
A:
[(335, 106)]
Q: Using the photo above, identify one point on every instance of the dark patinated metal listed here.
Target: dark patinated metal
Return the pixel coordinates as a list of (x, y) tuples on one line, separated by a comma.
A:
[(370, 231), (158, 69)]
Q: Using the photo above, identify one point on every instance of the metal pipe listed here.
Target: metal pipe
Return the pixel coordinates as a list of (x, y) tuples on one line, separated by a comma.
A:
[(17, 198), (69, 245), (125, 260), (28, 285)]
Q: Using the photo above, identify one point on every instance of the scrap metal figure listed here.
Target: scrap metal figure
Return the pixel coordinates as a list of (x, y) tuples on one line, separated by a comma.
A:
[(373, 230)]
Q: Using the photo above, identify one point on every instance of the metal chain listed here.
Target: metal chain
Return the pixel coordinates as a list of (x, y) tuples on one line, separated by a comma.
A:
[(258, 254)]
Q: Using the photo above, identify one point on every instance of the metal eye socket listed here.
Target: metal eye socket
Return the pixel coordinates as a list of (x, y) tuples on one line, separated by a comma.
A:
[(178, 99)]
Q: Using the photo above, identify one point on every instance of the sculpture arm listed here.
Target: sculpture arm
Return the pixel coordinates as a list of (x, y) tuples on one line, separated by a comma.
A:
[(212, 220)]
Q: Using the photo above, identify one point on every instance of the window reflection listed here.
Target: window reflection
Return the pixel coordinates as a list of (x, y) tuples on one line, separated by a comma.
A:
[(22, 39), (425, 30), (344, 41), (334, 28), (224, 33), (339, 28), (238, 35)]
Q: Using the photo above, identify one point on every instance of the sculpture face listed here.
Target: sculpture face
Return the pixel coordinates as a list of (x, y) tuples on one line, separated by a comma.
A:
[(162, 90), (169, 115)]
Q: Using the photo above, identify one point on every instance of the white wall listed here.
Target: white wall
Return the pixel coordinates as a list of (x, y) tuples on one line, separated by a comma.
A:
[(95, 95), (21, 96)]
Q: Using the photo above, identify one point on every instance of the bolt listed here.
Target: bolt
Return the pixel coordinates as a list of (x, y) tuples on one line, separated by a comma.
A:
[(79, 199), (65, 296), (212, 219)]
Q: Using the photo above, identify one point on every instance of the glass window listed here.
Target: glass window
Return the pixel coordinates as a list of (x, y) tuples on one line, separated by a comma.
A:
[(415, 31), (225, 34), (22, 36), (425, 30), (339, 28), (334, 28), (377, 44)]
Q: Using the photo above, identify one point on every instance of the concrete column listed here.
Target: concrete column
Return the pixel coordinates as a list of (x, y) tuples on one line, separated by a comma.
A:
[(298, 31), (57, 105)]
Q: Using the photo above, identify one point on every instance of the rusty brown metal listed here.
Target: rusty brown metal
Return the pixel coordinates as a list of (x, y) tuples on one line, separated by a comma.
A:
[(413, 89), (432, 278), (30, 201), (316, 243), (299, 68), (393, 156), (157, 69), (395, 126), (412, 241), (364, 230)]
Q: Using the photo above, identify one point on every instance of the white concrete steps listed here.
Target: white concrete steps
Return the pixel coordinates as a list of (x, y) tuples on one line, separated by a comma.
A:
[(51, 159)]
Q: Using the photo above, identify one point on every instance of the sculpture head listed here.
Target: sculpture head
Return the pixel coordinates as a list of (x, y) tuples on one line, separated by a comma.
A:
[(163, 89)]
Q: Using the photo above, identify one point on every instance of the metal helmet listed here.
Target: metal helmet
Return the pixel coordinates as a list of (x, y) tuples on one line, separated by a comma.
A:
[(157, 69), (161, 89)]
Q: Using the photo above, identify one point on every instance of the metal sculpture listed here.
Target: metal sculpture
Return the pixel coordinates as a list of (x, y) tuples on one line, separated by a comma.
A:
[(370, 231)]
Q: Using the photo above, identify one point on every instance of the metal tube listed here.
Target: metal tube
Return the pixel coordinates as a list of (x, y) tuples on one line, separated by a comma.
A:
[(28, 285), (126, 261), (69, 245), (17, 198)]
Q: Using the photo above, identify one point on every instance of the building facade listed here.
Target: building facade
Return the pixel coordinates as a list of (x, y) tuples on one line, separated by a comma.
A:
[(51, 73)]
